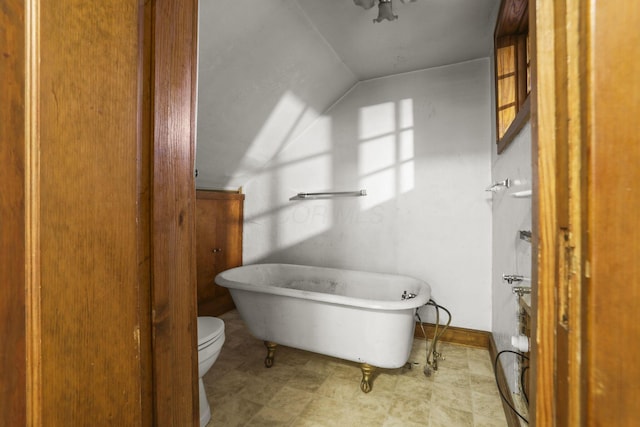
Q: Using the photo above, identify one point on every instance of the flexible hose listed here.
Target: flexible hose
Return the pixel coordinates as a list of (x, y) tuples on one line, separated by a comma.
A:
[(495, 373), (432, 352)]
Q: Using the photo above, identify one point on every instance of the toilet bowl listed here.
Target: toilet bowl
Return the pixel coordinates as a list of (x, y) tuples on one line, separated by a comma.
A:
[(210, 340)]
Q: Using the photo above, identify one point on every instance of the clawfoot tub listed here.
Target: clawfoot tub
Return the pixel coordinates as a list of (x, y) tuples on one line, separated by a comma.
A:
[(358, 316)]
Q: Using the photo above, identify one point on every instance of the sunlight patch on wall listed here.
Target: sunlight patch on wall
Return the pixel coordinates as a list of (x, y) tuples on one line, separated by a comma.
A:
[(406, 155), (381, 187), (298, 221), (285, 122), (376, 120), (313, 143), (376, 154), (386, 151)]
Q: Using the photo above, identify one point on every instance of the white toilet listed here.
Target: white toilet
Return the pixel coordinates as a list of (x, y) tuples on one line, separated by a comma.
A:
[(210, 340)]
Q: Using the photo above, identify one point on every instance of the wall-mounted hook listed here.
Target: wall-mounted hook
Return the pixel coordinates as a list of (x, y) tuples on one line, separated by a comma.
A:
[(496, 186)]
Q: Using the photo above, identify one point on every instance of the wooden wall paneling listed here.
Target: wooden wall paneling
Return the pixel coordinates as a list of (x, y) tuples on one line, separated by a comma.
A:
[(175, 363), (13, 385), (219, 219), (88, 191), (613, 328)]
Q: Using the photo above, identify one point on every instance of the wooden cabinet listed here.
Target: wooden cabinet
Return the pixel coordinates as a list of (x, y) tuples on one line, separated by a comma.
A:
[(219, 217)]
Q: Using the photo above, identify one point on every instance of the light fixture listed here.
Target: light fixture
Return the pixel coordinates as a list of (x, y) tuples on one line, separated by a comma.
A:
[(385, 8), (385, 11)]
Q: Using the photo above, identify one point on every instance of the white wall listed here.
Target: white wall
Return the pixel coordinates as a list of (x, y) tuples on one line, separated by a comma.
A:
[(264, 75), (510, 254), (419, 144)]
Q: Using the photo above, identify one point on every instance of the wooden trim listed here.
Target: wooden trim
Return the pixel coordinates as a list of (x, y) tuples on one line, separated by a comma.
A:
[(544, 225), (513, 18), (511, 30), (218, 195), (13, 248), (512, 419), (174, 296), (522, 118), (470, 337), (32, 284)]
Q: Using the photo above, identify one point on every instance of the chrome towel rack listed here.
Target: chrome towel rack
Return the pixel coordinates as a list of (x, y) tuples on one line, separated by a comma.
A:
[(328, 195)]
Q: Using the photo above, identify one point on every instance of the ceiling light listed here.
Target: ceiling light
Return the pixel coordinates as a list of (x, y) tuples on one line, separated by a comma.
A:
[(385, 11), (385, 8)]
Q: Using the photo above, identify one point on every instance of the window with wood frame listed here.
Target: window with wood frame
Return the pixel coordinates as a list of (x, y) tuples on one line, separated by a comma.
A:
[(512, 70)]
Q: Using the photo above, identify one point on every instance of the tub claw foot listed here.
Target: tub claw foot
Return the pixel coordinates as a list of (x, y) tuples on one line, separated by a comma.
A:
[(271, 348), (367, 371)]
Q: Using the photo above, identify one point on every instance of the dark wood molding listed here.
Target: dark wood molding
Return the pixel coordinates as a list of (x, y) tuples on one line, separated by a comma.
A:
[(13, 310), (521, 119), (511, 68), (452, 334), (219, 195), (174, 304)]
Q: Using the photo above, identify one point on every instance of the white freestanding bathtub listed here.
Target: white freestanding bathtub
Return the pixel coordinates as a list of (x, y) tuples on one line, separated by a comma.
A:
[(358, 316)]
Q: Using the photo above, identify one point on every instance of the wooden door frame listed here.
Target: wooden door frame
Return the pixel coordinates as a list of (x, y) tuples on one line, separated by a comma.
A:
[(167, 63), (174, 296), (586, 100)]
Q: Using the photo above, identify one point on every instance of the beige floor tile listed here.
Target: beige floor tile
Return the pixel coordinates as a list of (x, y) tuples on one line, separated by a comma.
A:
[(411, 411), (443, 416), (306, 380), (480, 421), (383, 379), (451, 397), (487, 406), (414, 388), (323, 411), (233, 412), (261, 390), (339, 388), (452, 377), (484, 384), (481, 366), (270, 417), (310, 390), (291, 400), (377, 402), (398, 422)]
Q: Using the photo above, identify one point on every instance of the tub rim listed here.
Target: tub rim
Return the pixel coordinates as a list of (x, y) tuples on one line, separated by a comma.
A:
[(421, 299)]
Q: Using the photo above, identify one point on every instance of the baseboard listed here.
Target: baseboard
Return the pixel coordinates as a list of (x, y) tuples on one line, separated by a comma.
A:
[(452, 334), (475, 338)]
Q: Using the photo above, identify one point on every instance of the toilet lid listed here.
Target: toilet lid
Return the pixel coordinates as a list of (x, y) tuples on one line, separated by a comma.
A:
[(209, 328)]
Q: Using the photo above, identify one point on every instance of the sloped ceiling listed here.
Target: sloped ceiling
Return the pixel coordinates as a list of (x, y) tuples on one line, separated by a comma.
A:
[(427, 33), (269, 68)]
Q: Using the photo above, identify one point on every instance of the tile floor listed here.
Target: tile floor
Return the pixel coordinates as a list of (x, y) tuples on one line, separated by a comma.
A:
[(307, 389)]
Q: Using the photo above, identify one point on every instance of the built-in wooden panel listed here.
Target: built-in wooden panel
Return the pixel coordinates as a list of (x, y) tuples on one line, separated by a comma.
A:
[(82, 344), (614, 225), (93, 278), (175, 356), (219, 218), (12, 215)]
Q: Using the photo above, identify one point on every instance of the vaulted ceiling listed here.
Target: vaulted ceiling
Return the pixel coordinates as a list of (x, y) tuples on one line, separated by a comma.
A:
[(269, 68)]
